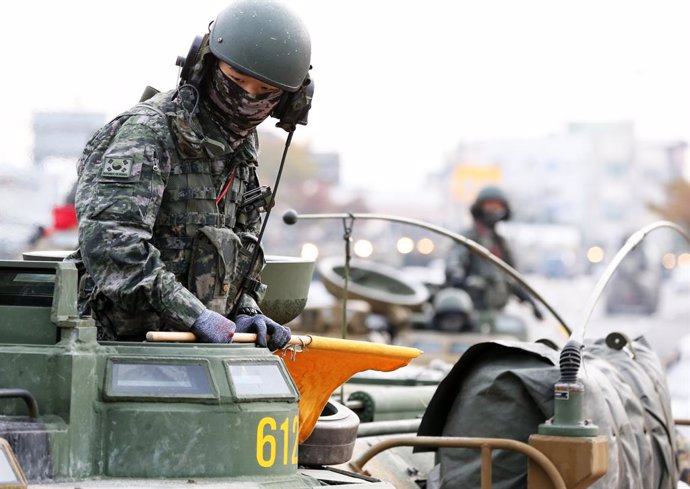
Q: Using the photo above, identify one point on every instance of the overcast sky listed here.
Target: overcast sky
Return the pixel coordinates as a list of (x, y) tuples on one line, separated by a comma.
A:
[(398, 83)]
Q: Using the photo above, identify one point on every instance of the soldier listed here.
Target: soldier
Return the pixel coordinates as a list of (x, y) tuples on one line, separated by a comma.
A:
[(488, 286), (164, 239)]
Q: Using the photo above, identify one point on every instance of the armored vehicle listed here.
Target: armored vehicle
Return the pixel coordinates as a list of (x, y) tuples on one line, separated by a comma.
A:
[(532, 392), (79, 412), (608, 425), (117, 414)]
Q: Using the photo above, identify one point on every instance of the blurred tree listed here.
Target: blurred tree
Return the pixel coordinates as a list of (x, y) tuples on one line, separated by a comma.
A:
[(677, 205)]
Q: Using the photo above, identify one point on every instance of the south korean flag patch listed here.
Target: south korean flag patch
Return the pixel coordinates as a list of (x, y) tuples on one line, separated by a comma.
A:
[(117, 167)]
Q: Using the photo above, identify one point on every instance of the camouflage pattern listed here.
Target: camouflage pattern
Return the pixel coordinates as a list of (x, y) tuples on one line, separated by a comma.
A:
[(146, 197), (234, 110), (488, 286), (212, 266)]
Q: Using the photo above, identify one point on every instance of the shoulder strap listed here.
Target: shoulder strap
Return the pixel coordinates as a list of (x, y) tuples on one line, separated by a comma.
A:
[(152, 107)]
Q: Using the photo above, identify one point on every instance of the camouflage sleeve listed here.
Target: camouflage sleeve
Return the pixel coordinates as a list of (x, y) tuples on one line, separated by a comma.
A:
[(118, 197), (247, 301)]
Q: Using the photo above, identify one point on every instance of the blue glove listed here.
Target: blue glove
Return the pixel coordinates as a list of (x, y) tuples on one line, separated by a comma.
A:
[(262, 325), (212, 327)]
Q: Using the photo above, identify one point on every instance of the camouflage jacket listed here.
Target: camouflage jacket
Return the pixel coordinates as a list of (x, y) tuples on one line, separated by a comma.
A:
[(488, 285), (157, 245)]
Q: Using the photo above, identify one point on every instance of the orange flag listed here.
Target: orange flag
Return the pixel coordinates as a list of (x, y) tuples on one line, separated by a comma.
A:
[(326, 363)]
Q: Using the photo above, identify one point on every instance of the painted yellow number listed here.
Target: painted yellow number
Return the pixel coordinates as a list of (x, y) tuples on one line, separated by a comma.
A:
[(267, 434), (295, 430), (262, 439), (286, 436)]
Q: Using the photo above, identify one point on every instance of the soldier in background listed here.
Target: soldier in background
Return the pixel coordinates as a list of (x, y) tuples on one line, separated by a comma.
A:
[(487, 285), (164, 238)]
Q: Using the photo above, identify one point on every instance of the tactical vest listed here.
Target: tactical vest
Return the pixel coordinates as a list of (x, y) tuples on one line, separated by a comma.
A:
[(205, 244), (192, 232)]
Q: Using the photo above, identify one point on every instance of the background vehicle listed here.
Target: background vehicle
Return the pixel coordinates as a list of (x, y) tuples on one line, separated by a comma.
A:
[(390, 306), (635, 286)]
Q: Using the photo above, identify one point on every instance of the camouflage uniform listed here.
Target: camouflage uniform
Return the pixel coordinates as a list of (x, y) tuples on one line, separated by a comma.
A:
[(488, 286), (154, 241)]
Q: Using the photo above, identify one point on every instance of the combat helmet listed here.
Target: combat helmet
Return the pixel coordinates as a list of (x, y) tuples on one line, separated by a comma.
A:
[(265, 40), (453, 309), (490, 193)]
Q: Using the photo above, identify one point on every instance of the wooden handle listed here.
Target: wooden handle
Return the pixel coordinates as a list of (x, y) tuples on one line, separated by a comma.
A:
[(178, 336), (189, 337)]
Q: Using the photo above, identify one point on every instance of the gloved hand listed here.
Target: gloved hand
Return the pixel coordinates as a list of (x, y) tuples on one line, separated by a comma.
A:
[(524, 297), (262, 325), (212, 327)]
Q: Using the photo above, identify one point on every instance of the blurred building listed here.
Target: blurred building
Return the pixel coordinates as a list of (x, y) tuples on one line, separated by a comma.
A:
[(33, 198), (63, 134)]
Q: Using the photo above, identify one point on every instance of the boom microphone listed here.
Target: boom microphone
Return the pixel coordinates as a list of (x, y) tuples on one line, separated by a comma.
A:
[(290, 216)]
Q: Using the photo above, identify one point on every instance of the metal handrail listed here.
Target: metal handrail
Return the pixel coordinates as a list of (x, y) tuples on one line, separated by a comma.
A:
[(630, 244), (291, 217), (484, 444), (24, 395), (682, 422)]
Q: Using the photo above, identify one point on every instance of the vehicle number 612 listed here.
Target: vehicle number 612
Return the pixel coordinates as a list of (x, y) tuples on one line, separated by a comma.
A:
[(277, 441)]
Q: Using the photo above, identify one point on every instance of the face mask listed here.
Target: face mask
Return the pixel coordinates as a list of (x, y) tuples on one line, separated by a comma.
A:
[(492, 217), (236, 111)]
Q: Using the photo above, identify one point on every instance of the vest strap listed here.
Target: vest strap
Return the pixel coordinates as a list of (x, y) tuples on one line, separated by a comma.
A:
[(173, 243), (212, 219), (190, 167), (177, 267), (251, 285), (186, 193)]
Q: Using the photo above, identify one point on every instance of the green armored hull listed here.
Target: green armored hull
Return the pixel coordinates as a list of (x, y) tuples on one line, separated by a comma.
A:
[(139, 414)]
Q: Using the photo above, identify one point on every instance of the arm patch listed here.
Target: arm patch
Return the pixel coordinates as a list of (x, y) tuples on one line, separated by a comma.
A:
[(114, 167)]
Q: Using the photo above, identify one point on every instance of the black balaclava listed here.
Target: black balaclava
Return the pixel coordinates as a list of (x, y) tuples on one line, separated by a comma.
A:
[(234, 110), (491, 218)]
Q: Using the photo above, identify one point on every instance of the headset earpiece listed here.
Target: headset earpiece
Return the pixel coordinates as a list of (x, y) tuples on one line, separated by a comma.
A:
[(187, 74), (293, 107)]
